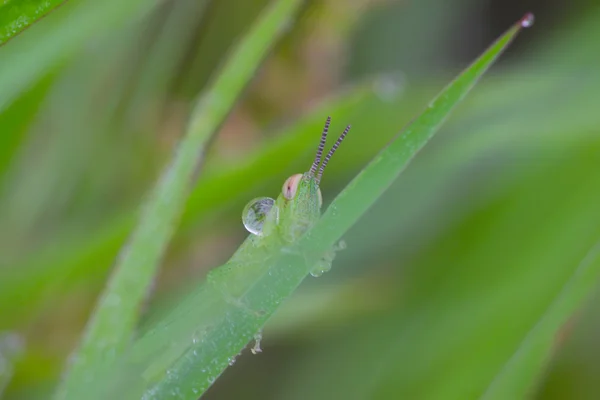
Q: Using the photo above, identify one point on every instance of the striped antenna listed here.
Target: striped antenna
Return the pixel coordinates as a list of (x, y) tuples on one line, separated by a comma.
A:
[(333, 149), (315, 164)]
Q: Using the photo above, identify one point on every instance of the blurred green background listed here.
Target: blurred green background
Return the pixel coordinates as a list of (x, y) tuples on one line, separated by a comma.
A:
[(443, 275)]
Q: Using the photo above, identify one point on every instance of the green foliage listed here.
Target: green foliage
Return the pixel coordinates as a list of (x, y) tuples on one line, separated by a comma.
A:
[(113, 321), (463, 278), (16, 16), (37, 51), (186, 352)]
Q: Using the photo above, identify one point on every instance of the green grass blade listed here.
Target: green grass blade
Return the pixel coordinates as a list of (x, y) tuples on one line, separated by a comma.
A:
[(57, 37), (111, 326), (16, 16), (514, 380), (207, 331), (68, 262), (368, 186), (17, 118), (11, 351), (163, 59), (499, 266)]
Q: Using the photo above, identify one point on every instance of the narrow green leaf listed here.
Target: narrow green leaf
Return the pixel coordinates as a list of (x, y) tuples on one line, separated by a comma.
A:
[(76, 258), (11, 351), (16, 119), (368, 186), (515, 378), (163, 59), (186, 352), (481, 286), (58, 36), (16, 16), (111, 326)]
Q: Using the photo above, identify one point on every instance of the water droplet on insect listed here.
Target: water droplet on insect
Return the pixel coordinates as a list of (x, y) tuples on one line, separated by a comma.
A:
[(257, 338), (255, 214), (195, 391), (527, 20), (232, 361)]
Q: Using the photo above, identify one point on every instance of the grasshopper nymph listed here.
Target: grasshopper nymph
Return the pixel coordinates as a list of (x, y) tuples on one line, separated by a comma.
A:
[(276, 224), (298, 206)]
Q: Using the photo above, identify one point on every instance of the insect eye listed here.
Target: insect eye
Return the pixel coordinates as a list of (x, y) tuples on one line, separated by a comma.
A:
[(320, 198), (290, 186)]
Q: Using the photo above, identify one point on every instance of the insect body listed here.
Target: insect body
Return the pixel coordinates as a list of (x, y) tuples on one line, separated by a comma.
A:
[(298, 206), (276, 224)]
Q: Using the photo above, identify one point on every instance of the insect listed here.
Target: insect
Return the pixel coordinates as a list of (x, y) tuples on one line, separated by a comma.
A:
[(276, 224), (299, 204)]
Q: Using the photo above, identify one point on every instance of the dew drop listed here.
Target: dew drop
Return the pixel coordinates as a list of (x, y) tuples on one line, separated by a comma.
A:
[(257, 339), (315, 273), (255, 214), (527, 20), (232, 361), (320, 268)]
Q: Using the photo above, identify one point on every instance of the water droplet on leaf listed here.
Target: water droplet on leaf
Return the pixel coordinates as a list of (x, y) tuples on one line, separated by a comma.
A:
[(255, 214), (527, 20), (320, 268), (257, 338)]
